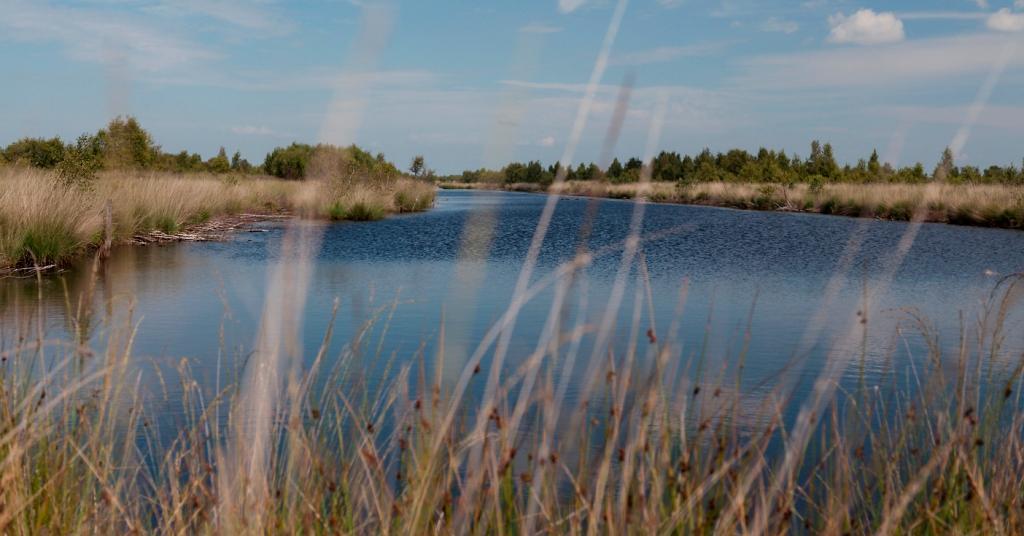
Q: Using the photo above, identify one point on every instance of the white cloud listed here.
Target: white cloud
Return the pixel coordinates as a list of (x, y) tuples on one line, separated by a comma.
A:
[(982, 4), (100, 36), (568, 6), (250, 130), (865, 27), (914, 62), (539, 28), (664, 54), (1019, 4), (1006, 21), (546, 141), (775, 24)]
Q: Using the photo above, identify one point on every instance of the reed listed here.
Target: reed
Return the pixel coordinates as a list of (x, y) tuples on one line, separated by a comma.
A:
[(646, 452), (45, 221), (987, 205)]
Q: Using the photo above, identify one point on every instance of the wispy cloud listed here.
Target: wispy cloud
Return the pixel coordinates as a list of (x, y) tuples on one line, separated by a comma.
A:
[(568, 6), (778, 25), (251, 130), (539, 28), (882, 66), (942, 15), (1004, 117), (865, 27), (300, 80), (666, 53), (553, 86), (100, 36), (239, 13)]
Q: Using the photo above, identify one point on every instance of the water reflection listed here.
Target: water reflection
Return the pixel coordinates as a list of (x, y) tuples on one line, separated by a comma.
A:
[(407, 276)]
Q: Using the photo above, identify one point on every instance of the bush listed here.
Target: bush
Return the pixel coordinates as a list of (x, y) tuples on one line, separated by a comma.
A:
[(289, 162), (815, 183), (363, 211), (81, 161), (126, 145), (410, 201), (49, 243), (219, 163), (336, 212), (36, 152)]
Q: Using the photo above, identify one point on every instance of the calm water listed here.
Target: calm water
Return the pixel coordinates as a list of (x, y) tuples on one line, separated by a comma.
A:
[(768, 271)]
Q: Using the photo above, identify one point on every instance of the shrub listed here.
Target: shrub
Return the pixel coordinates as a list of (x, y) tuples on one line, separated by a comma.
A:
[(336, 212), (406, 201), (364, 211), (288, 162), (49, 243), (219, 163), (126, 145), (81, 161), (815, 183), (36, 152)]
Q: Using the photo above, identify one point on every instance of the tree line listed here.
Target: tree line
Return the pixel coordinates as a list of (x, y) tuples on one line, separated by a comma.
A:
[(738, 165), (124, 145)]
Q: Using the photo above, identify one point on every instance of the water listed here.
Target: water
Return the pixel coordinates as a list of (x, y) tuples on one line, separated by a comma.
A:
[(763, 272)]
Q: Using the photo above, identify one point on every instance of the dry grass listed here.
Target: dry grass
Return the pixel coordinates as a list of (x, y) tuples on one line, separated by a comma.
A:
[(646, 455), (47, 222), (967, 204), (938, 450)]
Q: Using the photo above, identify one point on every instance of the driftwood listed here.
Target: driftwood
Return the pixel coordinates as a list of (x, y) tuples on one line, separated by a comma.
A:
[(26, 271), (216, 229)]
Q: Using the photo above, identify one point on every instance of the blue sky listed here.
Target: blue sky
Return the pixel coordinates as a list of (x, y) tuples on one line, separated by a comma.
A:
[(472, 83)]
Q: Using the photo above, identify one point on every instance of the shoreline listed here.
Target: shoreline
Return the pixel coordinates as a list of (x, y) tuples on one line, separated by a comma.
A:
[(217, 228), (47, 223), (989, 206)]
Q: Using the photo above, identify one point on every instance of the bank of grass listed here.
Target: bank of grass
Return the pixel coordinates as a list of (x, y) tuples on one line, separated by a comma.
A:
[(45, 221), (987, 205), (79, 451)]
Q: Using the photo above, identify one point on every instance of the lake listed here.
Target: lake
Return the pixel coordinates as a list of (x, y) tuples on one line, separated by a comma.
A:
[(792, 281)]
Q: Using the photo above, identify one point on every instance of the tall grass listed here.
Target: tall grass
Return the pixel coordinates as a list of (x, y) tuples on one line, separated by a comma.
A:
[(992, 205), (45, 221), (642, 452)]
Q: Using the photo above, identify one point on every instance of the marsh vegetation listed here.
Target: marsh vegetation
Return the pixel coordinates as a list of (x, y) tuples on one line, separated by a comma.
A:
[(773, 180), (54, 198)]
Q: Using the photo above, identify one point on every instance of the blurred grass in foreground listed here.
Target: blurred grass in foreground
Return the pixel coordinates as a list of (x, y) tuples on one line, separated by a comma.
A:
[(80, 451)]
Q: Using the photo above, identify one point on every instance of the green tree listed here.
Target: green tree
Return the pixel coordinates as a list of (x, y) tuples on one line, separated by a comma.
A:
[(289, 162), (874, 169), (614, 170), (219, 163), (239, 164), (126, 145), (667, 166), (81, 161), (944, 170), (515, 172), (36, 152), (417, 165)]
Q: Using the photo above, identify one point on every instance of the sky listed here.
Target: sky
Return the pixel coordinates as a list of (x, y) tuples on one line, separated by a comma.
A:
[(479, 83)]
